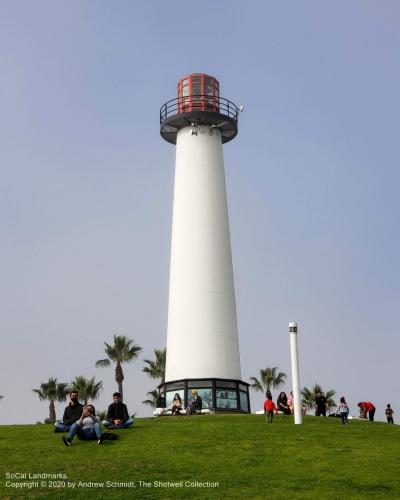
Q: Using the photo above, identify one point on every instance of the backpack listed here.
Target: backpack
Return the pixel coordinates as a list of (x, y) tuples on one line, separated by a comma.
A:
[(109, 436)]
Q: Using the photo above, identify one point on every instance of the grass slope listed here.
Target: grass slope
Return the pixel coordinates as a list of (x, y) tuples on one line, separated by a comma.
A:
[(249, 459)]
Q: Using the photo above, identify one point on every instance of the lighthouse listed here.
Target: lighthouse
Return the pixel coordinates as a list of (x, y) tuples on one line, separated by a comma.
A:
[(202, 335)]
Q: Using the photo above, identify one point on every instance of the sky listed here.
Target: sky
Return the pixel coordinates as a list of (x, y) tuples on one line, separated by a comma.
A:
[(86, 188)]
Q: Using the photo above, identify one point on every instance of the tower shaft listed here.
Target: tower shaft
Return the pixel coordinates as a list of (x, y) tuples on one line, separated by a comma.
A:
[(202, 339)]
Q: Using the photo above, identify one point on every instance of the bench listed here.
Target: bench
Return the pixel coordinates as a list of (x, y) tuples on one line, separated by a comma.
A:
[(162, 412)]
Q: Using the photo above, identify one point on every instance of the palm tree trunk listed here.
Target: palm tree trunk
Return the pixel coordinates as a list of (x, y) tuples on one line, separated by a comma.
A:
[(52, 411), (119, 378)]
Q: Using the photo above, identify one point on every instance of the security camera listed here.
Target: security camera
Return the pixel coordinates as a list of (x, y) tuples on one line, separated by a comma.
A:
[(241, 108)]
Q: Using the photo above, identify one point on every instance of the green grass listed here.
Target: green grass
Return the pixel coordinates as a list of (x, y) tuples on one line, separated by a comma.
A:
[(249, 459)]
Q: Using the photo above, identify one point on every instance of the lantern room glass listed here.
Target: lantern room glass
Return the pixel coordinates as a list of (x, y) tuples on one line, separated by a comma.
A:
[(198, 92)]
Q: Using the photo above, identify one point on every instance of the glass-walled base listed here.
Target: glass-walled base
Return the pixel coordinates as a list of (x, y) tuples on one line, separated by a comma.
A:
[(220, 395)]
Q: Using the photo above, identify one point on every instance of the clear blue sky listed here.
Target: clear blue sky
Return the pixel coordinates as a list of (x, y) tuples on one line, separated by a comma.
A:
[(87, 184)]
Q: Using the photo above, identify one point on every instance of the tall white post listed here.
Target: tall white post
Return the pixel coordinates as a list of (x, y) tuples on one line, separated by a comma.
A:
[(294, 354)]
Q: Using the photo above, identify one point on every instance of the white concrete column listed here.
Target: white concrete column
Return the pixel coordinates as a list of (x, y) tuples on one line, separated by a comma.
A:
[(202, 338), (295, 372)]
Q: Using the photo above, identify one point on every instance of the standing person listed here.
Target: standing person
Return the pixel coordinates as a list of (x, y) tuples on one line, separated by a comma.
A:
[(72, 413), (389, 414), (87, 428), (343, 410), (282, 403), (269, 409), (320, 405), (176, 405), (117, 414), (369, 407)]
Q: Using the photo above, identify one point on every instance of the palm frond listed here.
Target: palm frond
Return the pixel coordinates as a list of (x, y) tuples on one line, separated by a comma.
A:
[(255, 384), (102, 362)]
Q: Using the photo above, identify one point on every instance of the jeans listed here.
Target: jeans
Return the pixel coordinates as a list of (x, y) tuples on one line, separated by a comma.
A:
[(61, 427), (344, 416), (125, 424), (371, 414), (88, 434)]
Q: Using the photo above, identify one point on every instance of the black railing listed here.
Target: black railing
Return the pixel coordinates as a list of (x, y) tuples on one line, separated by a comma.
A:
[(205, 103)]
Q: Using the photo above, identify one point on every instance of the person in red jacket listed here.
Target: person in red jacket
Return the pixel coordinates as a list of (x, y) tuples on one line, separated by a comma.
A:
[(369, 407), (269, 408)]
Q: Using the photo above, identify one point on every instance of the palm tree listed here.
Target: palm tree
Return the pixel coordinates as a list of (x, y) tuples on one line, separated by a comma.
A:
[(309, 396), (269, 377), (88, 389), (123, 351), (52, 391), (153, 401), (156, 368)]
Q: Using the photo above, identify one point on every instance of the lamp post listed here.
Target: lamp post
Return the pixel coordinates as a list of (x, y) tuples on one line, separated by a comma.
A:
[(295, 372)]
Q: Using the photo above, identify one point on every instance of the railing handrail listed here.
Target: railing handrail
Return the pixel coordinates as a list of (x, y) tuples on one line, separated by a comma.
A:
[(225, 106)]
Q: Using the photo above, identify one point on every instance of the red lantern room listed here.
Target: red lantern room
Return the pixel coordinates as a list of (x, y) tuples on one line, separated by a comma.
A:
[(198, 92), (199, 103)]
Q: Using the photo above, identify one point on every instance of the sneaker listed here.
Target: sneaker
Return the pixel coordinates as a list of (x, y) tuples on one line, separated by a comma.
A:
[(66, 441), (101, 438)]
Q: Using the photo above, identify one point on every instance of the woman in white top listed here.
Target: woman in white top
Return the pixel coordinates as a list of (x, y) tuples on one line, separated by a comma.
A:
[(87, 428), (343, 410)]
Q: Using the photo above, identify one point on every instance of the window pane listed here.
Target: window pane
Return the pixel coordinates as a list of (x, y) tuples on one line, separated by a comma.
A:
[(206, 397), (244, 402), (231, 385), (226, 399), (199, 383), (175, 385)]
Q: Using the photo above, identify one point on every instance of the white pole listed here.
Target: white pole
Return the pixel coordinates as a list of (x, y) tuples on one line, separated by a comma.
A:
[(295, 372)]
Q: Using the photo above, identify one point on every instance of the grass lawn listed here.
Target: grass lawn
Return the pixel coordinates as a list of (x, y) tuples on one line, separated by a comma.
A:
[(243, 455)]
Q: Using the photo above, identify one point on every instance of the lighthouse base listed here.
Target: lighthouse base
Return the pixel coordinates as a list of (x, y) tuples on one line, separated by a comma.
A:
[(219, 395)]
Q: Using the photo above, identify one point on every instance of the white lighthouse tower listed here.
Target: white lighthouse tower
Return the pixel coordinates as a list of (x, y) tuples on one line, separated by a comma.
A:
[(202, 338)]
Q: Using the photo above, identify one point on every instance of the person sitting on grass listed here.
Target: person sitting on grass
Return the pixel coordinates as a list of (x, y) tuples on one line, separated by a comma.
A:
[(290, 402), (87, 428), (161, 405), (282, 403), (195, 405), (269, 409), (117, 414), (72, 413)]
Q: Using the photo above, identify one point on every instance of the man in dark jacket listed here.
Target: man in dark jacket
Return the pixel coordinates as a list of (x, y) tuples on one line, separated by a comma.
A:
[(72, 413), (117, 414), (320, 405), (195, 405)]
